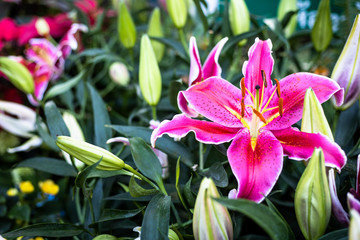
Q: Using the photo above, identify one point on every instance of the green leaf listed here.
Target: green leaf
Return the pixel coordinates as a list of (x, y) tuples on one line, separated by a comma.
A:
[(55, 121), (61, 88), (174, 45), (165, 143), (137, 191), (341, 234), (234, 40), (202, 15), (127, 197), (217, 173), (155, 223), (101, 118), (116, 214), (178, 190), (188, 193), (146, 160), (46, 230), (84, 174), (49, 165), (47, 139), (97, 173), (20, 212), (272, 224)]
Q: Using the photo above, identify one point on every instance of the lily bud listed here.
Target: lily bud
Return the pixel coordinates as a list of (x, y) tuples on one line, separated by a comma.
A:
[(312, 198), (119, 73), (286, 6), (321, 33), (239, 18), (178, 12), (149, 73), (155, 30), (18, 74), (126, 27), (211, 219), (42, 27), (354, 228), (314, 119), (89, 154), (347, 71)]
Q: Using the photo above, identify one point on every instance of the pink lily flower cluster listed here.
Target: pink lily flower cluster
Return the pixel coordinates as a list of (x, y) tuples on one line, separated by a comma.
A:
[(257, 118)]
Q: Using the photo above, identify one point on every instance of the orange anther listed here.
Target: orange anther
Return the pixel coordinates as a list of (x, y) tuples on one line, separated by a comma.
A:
[(242, 85), (277, 88), (242, 107), (259, 115), (281, 106), (263, 77)]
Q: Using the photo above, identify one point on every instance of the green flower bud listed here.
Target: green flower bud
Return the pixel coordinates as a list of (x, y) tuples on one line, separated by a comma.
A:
[(89, 154), (321, 33), (178, 12), (314, 119), (286, 6), (239, 18), (18, 74), (312, 198), (354, 228), (42, 27), (155, 30), (119, 73), (126, 27), (149, 73), (171, 235), (211, 220)]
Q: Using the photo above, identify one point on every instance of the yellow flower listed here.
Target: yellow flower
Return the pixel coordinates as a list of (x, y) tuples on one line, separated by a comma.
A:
[(39, 238), (26, 187), (12, 192), (48, 187)]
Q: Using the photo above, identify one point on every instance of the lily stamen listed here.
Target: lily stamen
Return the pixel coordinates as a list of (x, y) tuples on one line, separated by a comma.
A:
[(263, 77), (277, 88), (260, 116), (281, 106)]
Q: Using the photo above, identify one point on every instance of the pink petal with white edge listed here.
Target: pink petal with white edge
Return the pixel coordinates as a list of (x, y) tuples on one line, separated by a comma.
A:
[(211, 67), (217, 100), (69, 42), (184, 106), (255, 170), (293, 88), (337, 209), (206, 132), (122, 140), (353, 203), (259, 59), (300, 146), (42, 52), (195, 74)]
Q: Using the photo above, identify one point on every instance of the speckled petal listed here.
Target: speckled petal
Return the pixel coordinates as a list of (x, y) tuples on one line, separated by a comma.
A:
[(337, 209), (211, 66), (300, 146), (42, 52), (255, 170), (195, 74), (293, 88), (206, 132), (217, 100)]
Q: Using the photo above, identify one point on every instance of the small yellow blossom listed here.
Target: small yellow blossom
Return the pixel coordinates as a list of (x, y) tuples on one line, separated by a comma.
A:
[(12, 192), (26, 187), (49, 187), (39, 238), (19, 238)]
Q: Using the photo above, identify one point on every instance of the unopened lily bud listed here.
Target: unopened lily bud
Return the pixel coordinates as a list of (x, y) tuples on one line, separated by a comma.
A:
[(321, 33), (178, 12), (90, 154), (314, 119), (18, 74), (155, 30), (126, 27), (211, 220), (239, 18), (119, 73), (171, 235), (347, 68), (42, 27), (149, 73), (312, 198), (354, 228), (286, 6)]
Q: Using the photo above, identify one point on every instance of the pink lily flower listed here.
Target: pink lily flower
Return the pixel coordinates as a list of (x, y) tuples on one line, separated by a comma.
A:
[(199, 73), (257, 119)]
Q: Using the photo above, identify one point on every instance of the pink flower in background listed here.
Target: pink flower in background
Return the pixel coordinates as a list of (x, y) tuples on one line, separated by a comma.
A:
[(11, 32), (199, 73), (257, 119), (90, 8)]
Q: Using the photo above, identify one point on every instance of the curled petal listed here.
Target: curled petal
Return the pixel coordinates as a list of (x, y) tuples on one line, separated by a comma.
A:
[(337, 209), (293, 89), (258, 169), (300, 146), (195, 74), (217, 100), (69, 42), (184, 106), (211, 66), (206, 132), (353, 203), (122, 140)]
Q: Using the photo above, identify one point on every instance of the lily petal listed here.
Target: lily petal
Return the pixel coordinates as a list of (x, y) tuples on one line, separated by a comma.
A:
[(184, 106), (195, 74), (211, 66), (293, 89), (206, 132), (337, 209), (353, 203), (33, 142), (255, 170), (357, 188), (300, 146), (217, 100)]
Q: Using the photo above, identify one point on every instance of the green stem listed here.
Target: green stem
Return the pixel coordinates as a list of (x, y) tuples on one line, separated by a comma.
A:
[(201, 156), (133, 171), (153, 108), (91, 209), (108, 89), (183, 40), (78, 207), (335, 121)]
